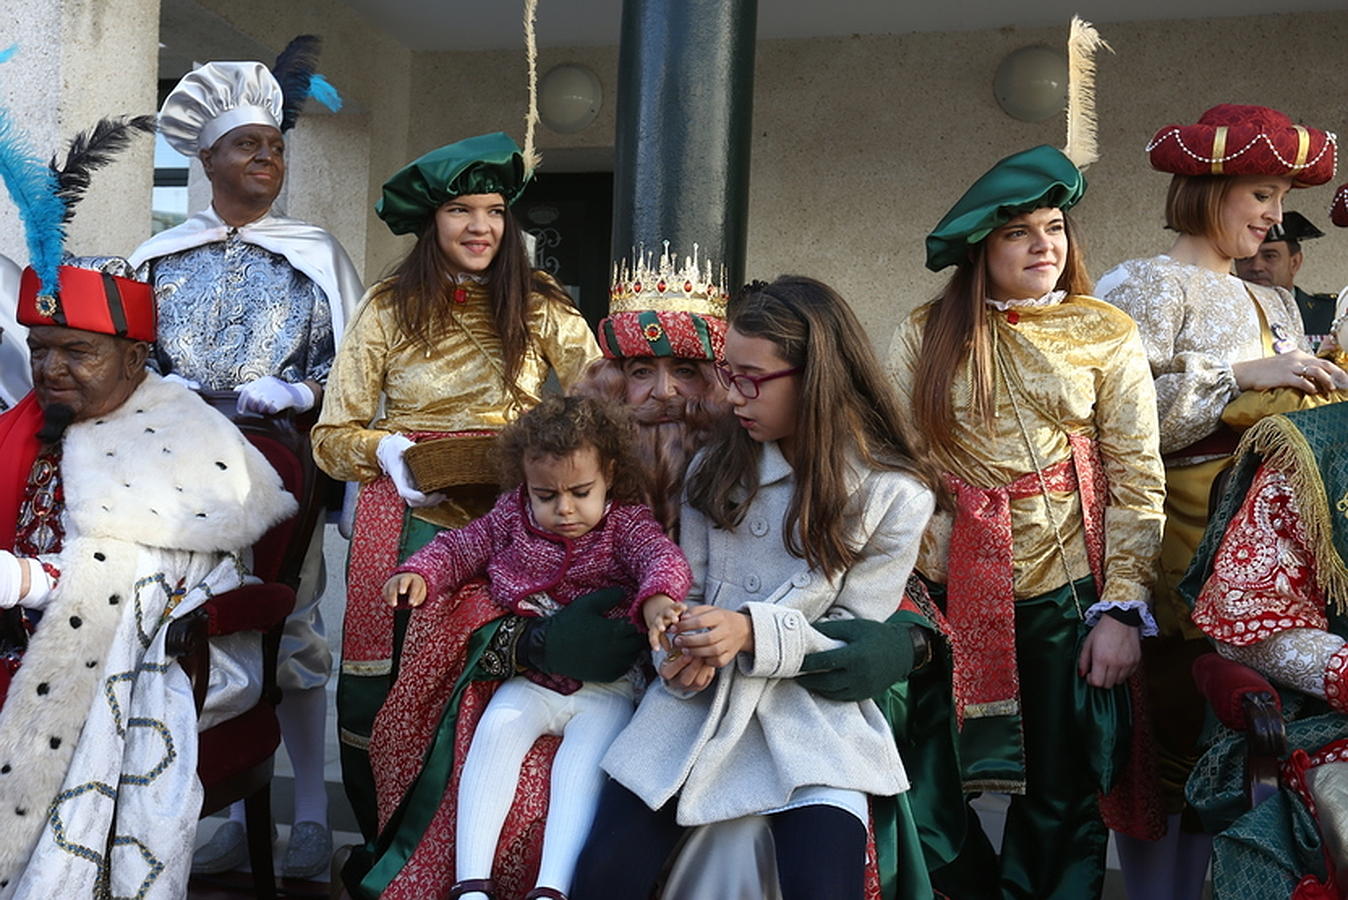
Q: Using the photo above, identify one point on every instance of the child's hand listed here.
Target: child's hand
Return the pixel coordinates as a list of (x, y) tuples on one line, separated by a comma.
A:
[(407, 587), (660, 612), (686, 672), (714, 635)]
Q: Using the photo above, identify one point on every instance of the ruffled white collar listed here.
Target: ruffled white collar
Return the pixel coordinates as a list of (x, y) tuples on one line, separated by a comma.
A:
[(1048, 299)]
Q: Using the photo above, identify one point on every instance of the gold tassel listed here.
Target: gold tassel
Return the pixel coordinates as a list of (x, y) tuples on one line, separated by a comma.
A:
[(531, 155), (1284, 448), (1082, 148)]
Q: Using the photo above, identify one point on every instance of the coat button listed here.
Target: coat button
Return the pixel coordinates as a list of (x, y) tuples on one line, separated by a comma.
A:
[(751, 583), (790, 623), (801, 579), (758, 526)]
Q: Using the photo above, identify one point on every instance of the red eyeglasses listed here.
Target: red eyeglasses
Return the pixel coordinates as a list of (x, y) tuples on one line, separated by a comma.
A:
[(748, 385)]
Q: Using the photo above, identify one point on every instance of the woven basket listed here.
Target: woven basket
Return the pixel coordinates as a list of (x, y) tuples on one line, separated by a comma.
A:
[(453, 461)]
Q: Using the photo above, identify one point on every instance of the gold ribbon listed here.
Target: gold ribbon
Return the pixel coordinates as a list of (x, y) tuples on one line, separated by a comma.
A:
[(1218, 149), (1303, 148)]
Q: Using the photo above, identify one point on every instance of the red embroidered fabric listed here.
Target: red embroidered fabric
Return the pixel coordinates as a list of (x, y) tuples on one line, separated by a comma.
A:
[(367, 626), (1262, 579), (1336, 691), (981, 596), (433, 658), (39, 530)]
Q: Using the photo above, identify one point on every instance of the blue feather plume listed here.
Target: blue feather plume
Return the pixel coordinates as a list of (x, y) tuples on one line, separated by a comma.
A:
[(8, 53), (322, 90), (33, 188)]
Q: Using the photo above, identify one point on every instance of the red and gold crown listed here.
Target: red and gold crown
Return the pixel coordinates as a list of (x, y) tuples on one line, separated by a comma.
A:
[(1246, 140), (659, 308)]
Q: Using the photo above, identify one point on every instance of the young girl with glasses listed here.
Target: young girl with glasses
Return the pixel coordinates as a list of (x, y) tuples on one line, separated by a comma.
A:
[(805, 507)]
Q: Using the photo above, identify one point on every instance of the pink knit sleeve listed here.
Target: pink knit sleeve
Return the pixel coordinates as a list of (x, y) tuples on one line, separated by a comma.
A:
[(654, 561), (456, 555)]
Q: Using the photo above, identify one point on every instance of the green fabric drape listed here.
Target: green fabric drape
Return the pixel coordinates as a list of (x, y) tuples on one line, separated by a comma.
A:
[(1075, 740), (359, 698)]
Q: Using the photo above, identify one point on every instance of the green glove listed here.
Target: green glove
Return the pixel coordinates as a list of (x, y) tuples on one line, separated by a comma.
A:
[(578, 642), (877, 655)]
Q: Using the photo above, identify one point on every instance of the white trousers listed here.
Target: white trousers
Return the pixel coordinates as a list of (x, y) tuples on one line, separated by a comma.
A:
[(519, 713)]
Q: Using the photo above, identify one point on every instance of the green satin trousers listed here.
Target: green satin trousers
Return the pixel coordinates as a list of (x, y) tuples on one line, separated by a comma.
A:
[(1067, 743)]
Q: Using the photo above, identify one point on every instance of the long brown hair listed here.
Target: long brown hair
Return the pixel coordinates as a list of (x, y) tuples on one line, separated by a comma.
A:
[(846, 405), (422, 285), (957, 330)]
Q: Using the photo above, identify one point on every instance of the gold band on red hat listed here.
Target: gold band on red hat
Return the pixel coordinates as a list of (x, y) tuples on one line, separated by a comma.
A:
[(1218, 149), (1303, 148)]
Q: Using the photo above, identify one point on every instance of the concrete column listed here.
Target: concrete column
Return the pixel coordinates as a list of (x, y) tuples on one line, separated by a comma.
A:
[(684, 117), (326, 155), (79, 60)]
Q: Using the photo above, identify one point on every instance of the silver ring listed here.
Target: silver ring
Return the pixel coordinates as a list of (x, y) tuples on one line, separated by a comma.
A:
[(1302, 370)]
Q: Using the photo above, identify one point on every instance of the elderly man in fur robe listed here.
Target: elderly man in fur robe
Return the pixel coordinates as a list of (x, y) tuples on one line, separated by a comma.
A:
[(124, 503)]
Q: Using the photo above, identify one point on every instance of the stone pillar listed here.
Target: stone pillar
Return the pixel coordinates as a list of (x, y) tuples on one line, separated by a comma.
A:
[(79, 60), (684, 118), (327, 166)]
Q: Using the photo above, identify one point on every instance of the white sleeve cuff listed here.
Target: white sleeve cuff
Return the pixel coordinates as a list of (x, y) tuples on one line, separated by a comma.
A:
[(1142, 606)]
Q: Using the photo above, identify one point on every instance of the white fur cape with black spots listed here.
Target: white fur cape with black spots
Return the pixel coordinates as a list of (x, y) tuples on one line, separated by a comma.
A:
[(98, 733)]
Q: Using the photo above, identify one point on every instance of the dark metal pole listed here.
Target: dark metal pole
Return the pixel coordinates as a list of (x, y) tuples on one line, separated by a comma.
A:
[(684, 119)]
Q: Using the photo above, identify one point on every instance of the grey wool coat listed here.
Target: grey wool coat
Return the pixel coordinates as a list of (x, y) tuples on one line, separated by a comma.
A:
[(745, 743)]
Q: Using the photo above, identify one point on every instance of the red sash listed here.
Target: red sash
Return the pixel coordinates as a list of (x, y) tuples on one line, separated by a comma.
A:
[(980, 594), (367, 627)]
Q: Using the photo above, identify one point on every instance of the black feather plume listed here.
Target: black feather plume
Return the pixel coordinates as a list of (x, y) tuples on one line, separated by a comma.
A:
[(292, 70), (93, 149)]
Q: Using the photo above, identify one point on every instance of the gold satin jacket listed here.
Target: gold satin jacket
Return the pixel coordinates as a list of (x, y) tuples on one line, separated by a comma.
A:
[(1075, 366), (456, 385)]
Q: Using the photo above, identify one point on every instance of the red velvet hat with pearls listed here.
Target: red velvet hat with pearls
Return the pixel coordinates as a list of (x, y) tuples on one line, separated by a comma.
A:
[(1245, 140), (1338, 210)]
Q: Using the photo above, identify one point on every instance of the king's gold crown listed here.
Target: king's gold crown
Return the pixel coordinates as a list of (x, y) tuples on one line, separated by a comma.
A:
[(660, 286)]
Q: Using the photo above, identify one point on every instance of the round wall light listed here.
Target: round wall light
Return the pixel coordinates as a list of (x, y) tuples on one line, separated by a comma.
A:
[(569, 97), (1031, 83)]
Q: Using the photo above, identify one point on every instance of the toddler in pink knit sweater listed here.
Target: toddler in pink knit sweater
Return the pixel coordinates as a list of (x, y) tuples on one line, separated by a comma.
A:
[(572, 526)]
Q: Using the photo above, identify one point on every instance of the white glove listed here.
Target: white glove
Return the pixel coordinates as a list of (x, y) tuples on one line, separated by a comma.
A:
[(175, 378), (270, 395), (11, 582), (390, 455), (11, 579)]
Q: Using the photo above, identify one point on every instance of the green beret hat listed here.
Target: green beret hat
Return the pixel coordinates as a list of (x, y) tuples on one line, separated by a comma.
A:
[(1021, 183), (486, 164)]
